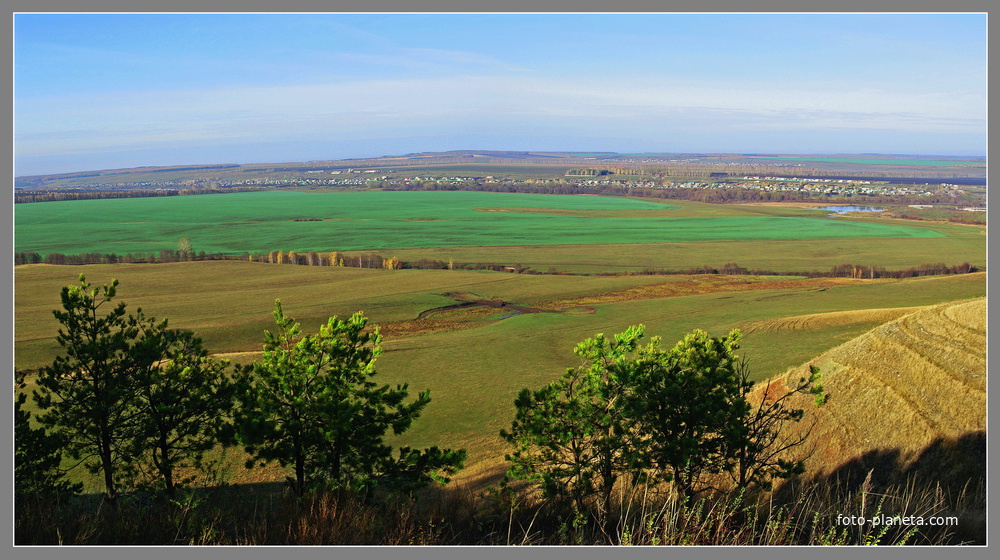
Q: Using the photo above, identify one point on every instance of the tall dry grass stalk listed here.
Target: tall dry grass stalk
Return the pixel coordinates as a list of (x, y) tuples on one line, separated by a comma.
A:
[(803, 513)]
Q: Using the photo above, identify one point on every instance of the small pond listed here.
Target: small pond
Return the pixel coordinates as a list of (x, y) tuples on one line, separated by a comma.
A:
[(846, 209)]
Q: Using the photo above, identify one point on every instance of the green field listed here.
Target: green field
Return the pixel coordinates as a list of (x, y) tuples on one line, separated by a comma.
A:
[(283, 220), (473, 373)]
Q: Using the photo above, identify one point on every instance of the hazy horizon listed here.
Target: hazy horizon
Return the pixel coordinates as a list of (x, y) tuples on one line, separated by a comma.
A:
[(364, 157), (107, 91)]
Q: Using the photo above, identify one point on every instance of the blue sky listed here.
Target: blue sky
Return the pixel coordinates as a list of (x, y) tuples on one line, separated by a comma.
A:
[(98, 91)]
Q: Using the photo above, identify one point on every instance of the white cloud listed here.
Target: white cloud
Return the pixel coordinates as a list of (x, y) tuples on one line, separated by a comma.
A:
[(475, 103)]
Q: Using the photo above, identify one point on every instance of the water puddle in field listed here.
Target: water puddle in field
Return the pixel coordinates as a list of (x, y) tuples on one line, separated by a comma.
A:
[(469, 311), (846, 209)]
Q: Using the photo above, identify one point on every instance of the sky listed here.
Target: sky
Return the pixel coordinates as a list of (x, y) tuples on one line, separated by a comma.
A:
[(105, 91)]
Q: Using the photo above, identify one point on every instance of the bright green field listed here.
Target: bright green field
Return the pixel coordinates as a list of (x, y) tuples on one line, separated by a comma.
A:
[(262, 221), (473, 374)]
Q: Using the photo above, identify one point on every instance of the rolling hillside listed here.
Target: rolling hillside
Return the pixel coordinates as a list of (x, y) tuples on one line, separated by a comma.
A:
[(908, 397)]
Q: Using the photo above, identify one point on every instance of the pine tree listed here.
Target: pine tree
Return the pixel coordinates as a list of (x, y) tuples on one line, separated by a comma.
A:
[(184, 399), (574, 436), (89, 393), (311, 404)]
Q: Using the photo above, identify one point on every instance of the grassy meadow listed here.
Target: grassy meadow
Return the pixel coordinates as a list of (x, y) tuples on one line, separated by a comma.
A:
[(474, 363)]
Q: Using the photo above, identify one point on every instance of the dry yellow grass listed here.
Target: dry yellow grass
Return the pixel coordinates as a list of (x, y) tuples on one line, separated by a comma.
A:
[(910, 383), (817, 321)]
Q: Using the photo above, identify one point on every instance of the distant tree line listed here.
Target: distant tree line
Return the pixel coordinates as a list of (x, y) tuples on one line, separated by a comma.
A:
[(162, 256), (860, 271), (98, 194), (869, 271), (375, 260), (184, 253), (51, 196)]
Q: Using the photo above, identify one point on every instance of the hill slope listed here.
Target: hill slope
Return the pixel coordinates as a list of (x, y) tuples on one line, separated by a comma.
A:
[(907, 397)]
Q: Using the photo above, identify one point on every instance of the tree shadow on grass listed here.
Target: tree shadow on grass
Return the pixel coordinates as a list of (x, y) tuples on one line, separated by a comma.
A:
[(946, 478)]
